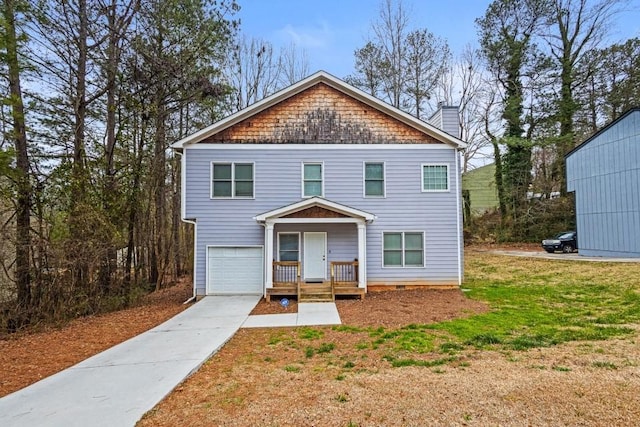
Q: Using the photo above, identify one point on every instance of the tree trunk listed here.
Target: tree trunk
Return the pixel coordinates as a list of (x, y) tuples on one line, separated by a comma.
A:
[(158, 254), (499, 183), (19, 136), (80, 181)]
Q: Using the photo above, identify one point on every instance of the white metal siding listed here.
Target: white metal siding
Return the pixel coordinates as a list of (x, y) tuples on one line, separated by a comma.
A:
[(235, 270)]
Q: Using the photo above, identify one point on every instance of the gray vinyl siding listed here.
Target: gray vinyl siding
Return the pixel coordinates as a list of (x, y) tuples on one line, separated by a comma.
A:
[(446, 118), (604, 173), (277, 183)]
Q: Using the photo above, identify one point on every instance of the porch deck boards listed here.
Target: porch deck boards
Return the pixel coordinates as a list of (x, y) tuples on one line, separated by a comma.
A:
[(287, 282), (292, 290)]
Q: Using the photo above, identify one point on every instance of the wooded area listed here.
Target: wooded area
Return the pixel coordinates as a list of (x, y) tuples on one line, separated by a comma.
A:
[(95, 91)]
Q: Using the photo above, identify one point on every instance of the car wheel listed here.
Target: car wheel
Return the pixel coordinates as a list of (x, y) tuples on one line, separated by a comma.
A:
[(549, 250), (568, 248)]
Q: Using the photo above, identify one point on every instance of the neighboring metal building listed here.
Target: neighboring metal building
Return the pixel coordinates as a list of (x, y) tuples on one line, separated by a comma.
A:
[(479, 189), (604, 173)]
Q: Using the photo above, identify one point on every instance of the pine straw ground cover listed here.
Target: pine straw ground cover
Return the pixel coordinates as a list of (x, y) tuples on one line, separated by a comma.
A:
[(31, 356), (557, 346)]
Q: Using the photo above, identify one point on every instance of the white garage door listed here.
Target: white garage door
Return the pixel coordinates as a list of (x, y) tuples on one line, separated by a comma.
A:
[(235, 270)]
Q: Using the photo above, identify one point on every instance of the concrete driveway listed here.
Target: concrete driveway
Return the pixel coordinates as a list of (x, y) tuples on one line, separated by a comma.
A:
[(561, 256), (117, 386)]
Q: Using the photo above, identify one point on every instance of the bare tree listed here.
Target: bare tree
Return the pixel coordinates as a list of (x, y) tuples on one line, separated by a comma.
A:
[(294, 65), (574, 27), (253, 71), (390, 33), (398, 64), (465, 85)]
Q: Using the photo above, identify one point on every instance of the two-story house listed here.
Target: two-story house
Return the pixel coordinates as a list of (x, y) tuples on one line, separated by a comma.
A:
[(323, 188)]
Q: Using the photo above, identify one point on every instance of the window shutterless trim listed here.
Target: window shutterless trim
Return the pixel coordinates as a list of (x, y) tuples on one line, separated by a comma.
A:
[(422, 167), (297, 233), (403, 249), (233, 180), (364, 180), (302, 180)]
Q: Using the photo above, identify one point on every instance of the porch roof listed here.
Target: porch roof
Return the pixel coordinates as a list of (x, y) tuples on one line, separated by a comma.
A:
[(312, 202)]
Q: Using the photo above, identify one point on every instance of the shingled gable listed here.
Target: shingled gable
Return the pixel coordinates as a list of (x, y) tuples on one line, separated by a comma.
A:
[(321, 109)]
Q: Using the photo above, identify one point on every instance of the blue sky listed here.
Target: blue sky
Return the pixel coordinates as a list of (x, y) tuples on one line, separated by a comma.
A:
[(331, 30)]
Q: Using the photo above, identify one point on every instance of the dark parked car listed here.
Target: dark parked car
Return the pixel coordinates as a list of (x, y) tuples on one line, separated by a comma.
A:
[(567, 242)]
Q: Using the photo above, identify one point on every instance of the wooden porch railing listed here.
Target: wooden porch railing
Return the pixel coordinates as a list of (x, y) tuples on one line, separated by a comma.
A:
[(344, 273), (286, 273), (287, 281)]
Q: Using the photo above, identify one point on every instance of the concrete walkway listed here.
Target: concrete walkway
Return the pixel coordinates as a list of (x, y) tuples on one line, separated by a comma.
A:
[(117, 386), (309, 313)]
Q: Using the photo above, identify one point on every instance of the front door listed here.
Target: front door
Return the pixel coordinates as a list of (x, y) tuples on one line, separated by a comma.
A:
[(315, 256)]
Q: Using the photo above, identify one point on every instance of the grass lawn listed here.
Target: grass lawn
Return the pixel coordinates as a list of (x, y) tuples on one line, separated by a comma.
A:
[(558, 346)]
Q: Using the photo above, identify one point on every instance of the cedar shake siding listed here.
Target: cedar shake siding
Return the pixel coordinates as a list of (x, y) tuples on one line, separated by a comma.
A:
[(321, 114)]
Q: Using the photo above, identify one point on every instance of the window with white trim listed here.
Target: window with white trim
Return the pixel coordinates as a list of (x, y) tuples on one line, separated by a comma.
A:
[(374, 179), (312, 179), (232, 180), (403, 249), (435, 177), (288, 246)]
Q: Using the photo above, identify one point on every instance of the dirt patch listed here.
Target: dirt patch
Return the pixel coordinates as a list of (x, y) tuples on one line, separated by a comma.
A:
[(275, 306), (404, 307), (391, 308), (26, 358)]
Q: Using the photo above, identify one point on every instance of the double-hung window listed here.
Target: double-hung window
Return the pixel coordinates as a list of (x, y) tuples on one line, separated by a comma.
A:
[(312, 179), (289, 246), (374, 179), (403, 249), (435, 178), (232, 180)]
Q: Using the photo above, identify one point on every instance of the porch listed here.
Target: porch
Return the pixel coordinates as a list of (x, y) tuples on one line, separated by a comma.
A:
[(286, 279), (305, 247)]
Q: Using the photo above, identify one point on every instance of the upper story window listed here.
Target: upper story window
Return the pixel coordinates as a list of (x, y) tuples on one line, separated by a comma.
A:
[(374, 180), (435, 177), (232, 180), (312, 175), (403, 249)]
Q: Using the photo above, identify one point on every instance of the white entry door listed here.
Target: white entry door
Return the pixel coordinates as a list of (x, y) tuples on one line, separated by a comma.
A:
[(315, 255)]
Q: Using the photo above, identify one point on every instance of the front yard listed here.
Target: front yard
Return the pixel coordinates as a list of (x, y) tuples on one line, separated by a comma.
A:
[(537, 342)]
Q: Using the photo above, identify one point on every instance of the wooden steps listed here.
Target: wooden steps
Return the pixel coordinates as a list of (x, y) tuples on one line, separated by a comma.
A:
[(316, 292)]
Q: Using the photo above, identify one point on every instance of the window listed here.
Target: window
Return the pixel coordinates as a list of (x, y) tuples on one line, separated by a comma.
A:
[(374, 179), (403, 249), (288, 246), (435, 178), (231, 180), (312, 179)]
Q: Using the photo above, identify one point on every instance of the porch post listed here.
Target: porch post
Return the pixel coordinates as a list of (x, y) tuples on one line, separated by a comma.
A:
[(362, 254), (268, 254)]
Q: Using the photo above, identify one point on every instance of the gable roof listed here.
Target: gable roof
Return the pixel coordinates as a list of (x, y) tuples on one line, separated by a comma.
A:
[(301, 86), (315, 202), (601, 131)]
